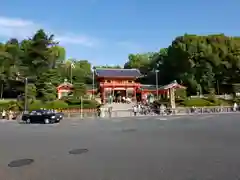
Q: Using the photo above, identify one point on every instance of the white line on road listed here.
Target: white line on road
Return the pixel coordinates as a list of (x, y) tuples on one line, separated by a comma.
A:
[(205, 117), (163, 119)]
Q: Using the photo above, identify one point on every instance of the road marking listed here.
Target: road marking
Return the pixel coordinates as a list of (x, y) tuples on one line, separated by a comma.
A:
[(74, 124), (53, 125), (206, 117), (162, 119)]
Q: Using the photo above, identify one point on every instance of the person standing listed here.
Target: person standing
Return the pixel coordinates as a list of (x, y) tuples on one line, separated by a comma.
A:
[(135, 109), (110, 111), (10, 115), (3, 114), (235, 107), (162, 109)]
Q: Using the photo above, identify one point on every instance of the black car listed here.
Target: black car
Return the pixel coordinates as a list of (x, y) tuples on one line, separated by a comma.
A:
[(59, 115), (41, 116)]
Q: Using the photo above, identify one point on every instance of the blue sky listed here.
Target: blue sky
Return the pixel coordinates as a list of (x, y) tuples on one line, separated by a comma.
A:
[(106, 31)]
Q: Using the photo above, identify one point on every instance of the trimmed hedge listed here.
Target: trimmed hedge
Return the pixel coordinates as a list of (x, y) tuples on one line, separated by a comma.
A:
[(76, 103), (198, 102), (57, 104), (210, 101)]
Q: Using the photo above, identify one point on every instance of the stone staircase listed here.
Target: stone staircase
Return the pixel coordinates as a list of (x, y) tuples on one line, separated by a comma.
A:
[(120, 109), (121, 106)]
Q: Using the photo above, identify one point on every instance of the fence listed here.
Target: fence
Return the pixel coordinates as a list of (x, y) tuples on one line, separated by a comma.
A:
[(153, 112), (204, 110), (224, 96), (92, 113)]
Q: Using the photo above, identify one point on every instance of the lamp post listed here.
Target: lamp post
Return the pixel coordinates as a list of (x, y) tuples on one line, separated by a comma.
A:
[(93, 83), (26, 94), (72, 66), (156, 71)]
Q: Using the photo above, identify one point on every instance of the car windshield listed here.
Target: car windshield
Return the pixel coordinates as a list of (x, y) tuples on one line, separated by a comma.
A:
[(41, 111)]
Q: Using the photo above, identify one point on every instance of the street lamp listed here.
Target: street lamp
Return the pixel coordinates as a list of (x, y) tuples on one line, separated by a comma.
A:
[(93, 83), (156, 71), (25, 98)]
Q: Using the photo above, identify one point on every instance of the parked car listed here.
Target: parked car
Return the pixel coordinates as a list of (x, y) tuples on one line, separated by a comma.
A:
[(41, 116)]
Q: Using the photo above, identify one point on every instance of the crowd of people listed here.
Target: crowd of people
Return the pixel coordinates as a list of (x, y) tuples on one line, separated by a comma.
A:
[(150, 109), (8, 115)]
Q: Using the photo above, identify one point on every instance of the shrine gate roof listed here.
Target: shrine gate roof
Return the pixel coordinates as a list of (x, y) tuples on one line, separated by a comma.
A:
[(133, 73)]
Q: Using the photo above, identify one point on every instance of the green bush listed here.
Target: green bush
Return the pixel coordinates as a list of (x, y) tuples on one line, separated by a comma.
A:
[(180, 94), (57, 104), (37, 104), (198, 102), (4, 105), (76, 103), (90, 104), (72, 101)]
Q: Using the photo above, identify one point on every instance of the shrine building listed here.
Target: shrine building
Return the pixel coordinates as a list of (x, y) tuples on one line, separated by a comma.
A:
[(64, 89), (122, 83)]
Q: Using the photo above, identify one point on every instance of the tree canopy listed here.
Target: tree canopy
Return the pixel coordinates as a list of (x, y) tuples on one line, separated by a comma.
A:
[(41, 60), (201, 63)]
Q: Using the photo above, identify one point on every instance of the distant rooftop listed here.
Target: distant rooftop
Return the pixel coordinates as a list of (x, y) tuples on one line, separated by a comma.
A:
[(105, 72)]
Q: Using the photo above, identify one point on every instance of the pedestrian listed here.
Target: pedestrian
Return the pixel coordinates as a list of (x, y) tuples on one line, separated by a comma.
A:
[(162, 109), (99, 111), (235, 107), (3, 114), (135, 109), (102, 110), (10, 115), (110, 111)]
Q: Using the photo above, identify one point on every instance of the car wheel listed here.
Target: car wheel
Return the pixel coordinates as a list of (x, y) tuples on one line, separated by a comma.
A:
[(28, 121), (46, 121)]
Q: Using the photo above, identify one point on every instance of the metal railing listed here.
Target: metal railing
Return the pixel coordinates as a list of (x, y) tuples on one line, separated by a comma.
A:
[(205, 110)]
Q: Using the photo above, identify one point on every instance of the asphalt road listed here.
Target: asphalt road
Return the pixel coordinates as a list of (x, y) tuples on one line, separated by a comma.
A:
[(179, 148)]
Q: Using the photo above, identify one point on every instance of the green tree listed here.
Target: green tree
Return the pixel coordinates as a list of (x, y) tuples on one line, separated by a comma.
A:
[(46, 84), (31, 91), (79, 90), (139, 61)]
